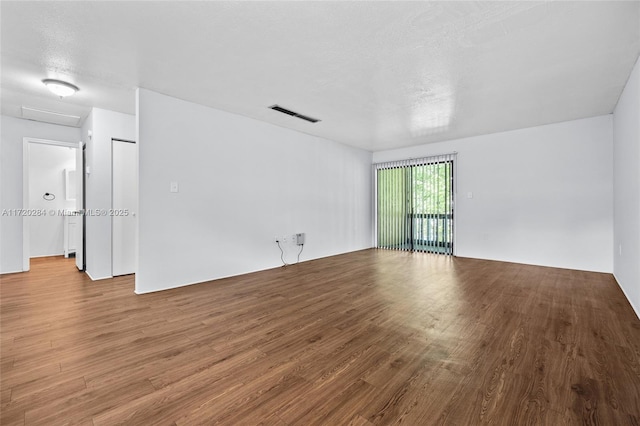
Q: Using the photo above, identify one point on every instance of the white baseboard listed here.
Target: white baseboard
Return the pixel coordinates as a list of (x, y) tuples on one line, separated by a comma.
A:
[(96, 279), (635, 308), (12, 272), (47, 255)]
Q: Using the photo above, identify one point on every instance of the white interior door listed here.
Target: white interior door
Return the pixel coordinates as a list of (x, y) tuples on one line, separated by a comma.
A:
[(79, 220), (124, 207)]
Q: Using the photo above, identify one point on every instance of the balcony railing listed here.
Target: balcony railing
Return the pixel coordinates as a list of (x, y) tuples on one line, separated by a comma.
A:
[(428, 232), (431, 232)]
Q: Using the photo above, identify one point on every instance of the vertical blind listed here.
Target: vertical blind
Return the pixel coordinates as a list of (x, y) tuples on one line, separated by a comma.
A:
[(415, 204)]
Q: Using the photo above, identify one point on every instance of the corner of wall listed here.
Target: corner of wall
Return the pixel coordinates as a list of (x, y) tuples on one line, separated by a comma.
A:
[(104, 125), (626, 157)]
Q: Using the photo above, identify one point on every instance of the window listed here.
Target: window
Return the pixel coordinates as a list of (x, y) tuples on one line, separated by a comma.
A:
[(415, 204)]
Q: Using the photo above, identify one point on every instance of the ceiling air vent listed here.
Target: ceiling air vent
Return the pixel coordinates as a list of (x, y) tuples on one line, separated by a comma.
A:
[(50, 117), (293, 113)]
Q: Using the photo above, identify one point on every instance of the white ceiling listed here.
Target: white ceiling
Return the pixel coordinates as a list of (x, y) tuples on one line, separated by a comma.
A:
[(378, 74)]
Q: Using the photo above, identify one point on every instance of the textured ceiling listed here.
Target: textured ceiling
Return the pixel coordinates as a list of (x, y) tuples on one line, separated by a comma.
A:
[(378, 74)]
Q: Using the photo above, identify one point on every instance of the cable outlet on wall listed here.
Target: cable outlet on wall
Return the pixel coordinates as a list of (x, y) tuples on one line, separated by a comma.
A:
[(298, 238)]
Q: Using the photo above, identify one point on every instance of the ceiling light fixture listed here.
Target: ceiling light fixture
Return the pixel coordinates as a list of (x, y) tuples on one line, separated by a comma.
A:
[(60, 88)]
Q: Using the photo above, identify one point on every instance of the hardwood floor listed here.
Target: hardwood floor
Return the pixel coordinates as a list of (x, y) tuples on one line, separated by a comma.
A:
[(366, 338)]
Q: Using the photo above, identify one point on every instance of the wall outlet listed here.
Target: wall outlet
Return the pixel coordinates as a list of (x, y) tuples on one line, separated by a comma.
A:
[(290, 238)]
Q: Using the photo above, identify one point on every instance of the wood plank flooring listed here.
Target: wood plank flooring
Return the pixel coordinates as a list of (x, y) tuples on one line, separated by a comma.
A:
[(367, 338)]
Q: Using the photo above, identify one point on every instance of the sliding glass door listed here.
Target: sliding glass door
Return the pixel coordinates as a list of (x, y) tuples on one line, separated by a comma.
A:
[(415, 204)]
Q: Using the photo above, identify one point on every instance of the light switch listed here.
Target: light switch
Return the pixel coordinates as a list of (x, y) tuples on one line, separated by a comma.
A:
[(469, 194), (174, 187)]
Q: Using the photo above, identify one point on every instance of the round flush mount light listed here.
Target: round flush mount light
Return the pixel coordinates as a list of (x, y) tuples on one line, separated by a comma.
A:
[(60, 88)]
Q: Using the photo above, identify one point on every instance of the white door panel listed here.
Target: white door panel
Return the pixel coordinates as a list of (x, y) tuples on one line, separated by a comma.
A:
[(79, 232), (124, 207)]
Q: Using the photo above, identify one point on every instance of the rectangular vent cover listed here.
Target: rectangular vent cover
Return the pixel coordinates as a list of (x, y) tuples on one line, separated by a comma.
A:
[(50, 117), (293, 113)]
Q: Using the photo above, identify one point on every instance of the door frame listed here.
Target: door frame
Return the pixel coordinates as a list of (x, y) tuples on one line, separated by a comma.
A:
[(26, 242), (412, 162)]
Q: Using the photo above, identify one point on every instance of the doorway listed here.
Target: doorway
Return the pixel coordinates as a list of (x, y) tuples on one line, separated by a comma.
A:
[(415, 205), (52, 200)]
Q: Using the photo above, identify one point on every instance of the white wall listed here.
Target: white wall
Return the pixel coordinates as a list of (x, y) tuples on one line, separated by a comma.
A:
[(241, 182), (104, 126), (47, 166), (541, 195), (626, 178), (12, 132)]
